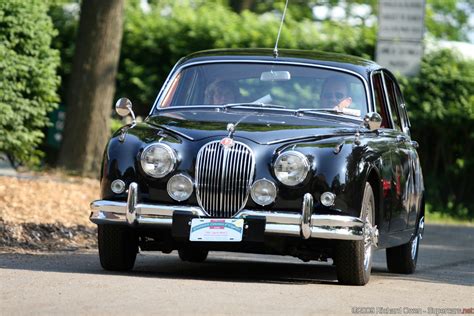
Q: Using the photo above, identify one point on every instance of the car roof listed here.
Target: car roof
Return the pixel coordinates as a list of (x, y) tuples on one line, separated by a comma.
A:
[(355, 64)]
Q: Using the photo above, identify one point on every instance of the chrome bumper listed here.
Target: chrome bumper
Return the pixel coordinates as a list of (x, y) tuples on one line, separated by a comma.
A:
[(305, 224)]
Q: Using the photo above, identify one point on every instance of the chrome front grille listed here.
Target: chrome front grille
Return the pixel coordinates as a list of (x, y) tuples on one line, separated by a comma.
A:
[(223, 178)]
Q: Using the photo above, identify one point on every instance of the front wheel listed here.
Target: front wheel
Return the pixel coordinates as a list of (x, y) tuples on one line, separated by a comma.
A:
[(354, 258), (118, 247), (402, 259)]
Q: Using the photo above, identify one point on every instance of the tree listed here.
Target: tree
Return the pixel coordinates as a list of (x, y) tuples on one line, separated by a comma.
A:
[(28, 79), (92, 85)]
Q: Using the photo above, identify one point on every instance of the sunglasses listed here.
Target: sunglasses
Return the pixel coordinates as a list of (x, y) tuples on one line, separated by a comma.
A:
[(336, 95)]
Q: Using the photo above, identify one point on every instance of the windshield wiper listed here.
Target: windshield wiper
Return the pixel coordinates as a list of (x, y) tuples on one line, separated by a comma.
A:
[(255, 105), (345, 111)]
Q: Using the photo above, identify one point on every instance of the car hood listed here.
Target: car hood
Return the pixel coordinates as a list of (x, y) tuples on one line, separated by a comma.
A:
[(260, 126)]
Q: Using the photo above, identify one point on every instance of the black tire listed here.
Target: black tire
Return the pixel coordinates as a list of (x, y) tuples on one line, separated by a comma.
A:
[(402, 259), (353, 260), (118, 247), (193, 255)]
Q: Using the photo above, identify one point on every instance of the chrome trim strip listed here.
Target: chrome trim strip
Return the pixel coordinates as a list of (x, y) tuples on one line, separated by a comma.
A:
[(387, 100), (336, 220), (143, 209), (302, 138), (176, 132), (273, 217), (174, 72), (165, 84)]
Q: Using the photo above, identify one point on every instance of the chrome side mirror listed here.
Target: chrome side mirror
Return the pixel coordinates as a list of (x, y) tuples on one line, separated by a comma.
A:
[(372, 121), (123, 107)]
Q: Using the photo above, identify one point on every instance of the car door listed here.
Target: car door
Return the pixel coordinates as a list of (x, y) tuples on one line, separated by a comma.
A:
[(402, 156), (414, 185), (385, 145)]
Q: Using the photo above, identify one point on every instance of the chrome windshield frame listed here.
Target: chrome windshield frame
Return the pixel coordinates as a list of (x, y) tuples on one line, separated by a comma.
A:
[(177, 69)]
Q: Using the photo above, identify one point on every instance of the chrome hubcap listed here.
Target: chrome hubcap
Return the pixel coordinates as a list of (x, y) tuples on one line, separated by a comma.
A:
[(368, 234), (414, 247), (418, 237)]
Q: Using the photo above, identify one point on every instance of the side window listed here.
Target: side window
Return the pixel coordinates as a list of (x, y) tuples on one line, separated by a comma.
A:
[(392, 102), (379, 101), (403, 109)]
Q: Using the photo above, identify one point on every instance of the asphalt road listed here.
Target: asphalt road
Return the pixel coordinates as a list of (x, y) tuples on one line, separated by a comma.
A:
[(229, 283)]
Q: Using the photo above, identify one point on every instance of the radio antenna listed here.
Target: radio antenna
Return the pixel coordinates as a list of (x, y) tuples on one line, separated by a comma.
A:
[(275, 50)]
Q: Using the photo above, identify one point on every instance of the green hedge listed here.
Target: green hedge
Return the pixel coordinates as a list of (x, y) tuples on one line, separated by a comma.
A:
[(28, 80), (441, 106)]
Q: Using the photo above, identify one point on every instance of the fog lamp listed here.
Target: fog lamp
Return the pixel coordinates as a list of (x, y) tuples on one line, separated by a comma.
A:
[(328, 198), (180, 187), (117, 186), (263, 192)]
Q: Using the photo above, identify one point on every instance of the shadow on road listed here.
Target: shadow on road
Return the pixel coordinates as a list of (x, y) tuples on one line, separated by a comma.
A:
[(447, 256)]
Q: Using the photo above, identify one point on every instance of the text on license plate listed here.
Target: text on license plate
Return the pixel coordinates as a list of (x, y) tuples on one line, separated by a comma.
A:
[(215, 229)]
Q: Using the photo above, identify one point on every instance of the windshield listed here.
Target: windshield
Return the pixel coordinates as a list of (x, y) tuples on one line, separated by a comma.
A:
[(287, 86)]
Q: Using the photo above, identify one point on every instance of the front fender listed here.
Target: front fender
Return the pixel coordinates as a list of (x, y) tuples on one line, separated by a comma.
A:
[(121, 158), (342, 168)]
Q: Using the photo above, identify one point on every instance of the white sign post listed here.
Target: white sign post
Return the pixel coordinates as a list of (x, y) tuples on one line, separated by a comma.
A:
[(400, 36)]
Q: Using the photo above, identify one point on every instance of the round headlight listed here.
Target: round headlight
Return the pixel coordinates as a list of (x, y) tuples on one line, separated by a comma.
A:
[(263, 192), (180, 187), (158, 160), (291, 167)]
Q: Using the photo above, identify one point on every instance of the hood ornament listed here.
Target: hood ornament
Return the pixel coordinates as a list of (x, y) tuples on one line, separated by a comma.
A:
[(228, 142), (231, 129)]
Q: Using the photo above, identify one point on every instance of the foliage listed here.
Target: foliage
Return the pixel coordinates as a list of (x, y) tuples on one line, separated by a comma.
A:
[(444, 19), (449, 19), (28, 82), (441, 105), (65, 17), (434, 217)]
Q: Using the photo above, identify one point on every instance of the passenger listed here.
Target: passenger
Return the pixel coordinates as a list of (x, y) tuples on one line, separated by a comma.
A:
[(221, 92), (335, 93)]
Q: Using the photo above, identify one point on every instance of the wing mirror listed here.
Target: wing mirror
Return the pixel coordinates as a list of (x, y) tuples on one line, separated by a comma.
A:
[(372, 121), (123, 107)]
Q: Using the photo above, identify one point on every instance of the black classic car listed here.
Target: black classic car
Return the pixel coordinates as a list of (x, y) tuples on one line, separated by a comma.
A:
[(306, 154)]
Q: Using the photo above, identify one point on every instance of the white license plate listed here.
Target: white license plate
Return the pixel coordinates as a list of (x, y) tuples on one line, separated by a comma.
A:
[(215, 229)]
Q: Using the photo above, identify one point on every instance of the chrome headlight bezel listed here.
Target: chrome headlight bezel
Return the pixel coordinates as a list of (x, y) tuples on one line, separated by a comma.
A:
[(253, 193), (305, 166), (171, 155), (185, 178)]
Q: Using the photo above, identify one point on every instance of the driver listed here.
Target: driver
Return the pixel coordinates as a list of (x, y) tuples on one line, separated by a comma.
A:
[(335, 93), (221, 92)]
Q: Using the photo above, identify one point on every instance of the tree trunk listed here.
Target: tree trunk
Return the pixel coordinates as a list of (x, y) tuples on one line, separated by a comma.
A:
[(92, 85)]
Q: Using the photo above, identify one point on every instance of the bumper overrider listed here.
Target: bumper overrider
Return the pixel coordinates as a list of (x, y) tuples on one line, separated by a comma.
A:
[(305, 225)]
